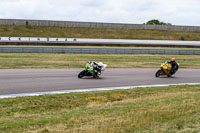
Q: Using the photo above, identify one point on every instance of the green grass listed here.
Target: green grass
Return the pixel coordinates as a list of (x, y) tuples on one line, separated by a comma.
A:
[(44, 60), (81, 32), (160, 110)]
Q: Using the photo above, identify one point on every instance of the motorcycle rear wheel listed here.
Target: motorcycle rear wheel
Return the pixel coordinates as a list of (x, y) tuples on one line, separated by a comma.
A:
[(168, 75)]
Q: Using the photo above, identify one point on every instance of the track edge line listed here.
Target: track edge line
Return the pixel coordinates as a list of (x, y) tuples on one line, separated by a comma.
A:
[(88, 90)]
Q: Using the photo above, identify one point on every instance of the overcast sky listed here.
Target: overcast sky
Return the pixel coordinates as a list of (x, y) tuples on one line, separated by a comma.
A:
[(177, 12)]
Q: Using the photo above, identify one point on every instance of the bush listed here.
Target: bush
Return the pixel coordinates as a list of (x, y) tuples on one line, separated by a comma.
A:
[(182, 38), (157, 22)]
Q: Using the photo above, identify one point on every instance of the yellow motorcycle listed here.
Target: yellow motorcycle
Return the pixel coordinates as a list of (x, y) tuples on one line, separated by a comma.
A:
[(165, 69)]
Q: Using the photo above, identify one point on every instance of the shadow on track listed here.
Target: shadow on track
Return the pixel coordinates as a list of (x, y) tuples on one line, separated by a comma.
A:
[(87, 78)]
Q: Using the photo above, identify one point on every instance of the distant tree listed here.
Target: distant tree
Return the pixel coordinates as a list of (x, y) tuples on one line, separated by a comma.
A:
[(28, 25), (157, 22)]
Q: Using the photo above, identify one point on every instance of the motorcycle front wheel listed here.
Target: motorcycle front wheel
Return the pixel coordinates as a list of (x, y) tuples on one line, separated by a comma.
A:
[(158, 73), (81, 74)]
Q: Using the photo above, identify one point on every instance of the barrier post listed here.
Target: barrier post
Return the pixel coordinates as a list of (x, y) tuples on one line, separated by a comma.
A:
[(104, 33)]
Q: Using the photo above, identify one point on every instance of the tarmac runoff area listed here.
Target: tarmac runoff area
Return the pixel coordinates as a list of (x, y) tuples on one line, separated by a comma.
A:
[(33, 82)]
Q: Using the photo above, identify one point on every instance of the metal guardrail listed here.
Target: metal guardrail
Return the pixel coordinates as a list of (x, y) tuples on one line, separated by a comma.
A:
[(96, 50)]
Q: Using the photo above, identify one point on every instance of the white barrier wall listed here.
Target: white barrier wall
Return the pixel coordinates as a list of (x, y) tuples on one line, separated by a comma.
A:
[(95, 25), (132, 41)]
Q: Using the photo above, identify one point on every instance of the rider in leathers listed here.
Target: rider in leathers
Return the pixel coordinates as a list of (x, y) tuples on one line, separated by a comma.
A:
[(93, 66), (174, 66)]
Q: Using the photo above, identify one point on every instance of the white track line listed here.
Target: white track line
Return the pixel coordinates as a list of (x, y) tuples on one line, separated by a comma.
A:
[(87, 90)]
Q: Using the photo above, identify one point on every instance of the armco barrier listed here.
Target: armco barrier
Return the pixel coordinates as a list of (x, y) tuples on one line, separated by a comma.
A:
[(96, 50)]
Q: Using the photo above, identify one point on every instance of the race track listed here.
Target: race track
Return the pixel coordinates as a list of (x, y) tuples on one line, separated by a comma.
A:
[(16, 81)]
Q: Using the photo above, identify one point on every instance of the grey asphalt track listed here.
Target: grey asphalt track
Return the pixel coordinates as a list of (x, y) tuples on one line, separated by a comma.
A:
[(16, 81)]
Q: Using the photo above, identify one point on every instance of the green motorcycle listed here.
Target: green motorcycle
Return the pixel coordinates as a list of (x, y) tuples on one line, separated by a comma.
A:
[(92, 69)]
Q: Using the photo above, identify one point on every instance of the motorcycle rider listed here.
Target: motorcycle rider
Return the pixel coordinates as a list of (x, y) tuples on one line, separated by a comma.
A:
[(174, 65), (93, 67)]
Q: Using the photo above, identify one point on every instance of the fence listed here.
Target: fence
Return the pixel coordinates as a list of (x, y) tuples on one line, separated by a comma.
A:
[(96, 50), (96, 25)]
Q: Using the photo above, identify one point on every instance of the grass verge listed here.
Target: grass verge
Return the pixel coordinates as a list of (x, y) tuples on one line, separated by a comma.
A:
[(159, 109), (107, 33), (44, 60)]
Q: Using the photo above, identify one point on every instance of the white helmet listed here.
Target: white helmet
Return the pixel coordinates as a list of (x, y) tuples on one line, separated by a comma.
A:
[(100, 64)]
